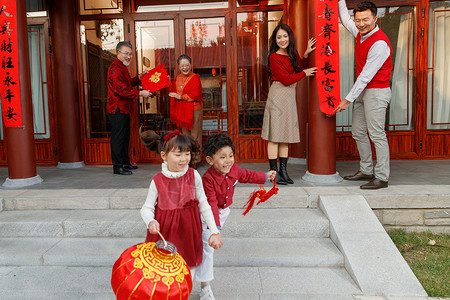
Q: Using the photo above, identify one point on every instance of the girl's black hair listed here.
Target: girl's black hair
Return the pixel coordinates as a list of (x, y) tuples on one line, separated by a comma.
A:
[(184, 143), (291, 50), (184, 56), (216, 142)]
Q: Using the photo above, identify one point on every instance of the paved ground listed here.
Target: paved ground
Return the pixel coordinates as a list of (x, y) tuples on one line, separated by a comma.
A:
[(412, 172)]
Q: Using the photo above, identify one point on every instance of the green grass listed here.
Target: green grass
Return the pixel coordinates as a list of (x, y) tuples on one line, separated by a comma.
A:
[(430, 264)]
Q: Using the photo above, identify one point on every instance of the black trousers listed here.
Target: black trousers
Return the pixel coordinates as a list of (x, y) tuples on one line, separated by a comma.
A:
[(120, 138)]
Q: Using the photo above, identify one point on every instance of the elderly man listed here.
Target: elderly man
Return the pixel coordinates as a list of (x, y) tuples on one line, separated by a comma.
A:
[(121, 100), (370, 94)]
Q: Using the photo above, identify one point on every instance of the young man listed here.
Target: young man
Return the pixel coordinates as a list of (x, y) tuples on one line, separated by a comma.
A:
[(370, 94), (121, 100)]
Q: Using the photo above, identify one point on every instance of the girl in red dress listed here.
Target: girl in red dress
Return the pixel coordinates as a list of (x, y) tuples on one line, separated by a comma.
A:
[(176, 199)]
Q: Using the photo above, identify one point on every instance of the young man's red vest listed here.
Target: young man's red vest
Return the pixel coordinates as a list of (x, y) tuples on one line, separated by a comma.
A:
[(381, 78)]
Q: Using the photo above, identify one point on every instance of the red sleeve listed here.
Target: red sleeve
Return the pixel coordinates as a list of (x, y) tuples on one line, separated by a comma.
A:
[(210, 192), (120, 86), (280, 73), (303, 62), (135, 81), (193, 89), (247, 176)]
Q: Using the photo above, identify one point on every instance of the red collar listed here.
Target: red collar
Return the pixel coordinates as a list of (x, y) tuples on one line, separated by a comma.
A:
[(219, 178)]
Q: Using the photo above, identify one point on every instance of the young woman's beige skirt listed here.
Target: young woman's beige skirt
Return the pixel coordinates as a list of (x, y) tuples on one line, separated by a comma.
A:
[(280, 123)]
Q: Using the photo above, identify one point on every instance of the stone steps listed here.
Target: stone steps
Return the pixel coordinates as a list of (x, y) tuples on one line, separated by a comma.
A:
[(236, 252), (65, 199), (266, 223), (62, 244), (239, 283)]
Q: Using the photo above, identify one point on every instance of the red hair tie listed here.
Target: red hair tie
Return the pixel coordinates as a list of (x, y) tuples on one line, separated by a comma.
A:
[(170, 135)]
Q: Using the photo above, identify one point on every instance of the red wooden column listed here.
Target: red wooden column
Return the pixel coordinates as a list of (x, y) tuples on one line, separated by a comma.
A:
[(321, 129), (65, 66), (20, 140), (297, 19)]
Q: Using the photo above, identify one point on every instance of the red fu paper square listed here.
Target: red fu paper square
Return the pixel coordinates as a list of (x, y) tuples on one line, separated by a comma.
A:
[(156, 79)]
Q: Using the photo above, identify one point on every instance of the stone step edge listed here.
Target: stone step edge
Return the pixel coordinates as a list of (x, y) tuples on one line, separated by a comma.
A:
[(128, 199), (79, 252), (288, 197), (87, 223)]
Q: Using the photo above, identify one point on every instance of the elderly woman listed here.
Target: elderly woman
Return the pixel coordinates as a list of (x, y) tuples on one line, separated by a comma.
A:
[(186, 107)]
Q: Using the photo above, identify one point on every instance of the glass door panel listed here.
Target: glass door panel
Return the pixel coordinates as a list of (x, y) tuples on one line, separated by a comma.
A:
[(39, 84), (155, 45), (438, 98), (254, 30), (205, 44)]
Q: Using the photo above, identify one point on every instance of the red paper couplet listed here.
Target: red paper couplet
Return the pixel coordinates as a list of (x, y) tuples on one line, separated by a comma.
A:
[(156, 79), (9, 70), (327, 54)]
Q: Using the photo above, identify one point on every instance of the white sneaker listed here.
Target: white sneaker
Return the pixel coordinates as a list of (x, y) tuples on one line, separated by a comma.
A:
[(206, 293)]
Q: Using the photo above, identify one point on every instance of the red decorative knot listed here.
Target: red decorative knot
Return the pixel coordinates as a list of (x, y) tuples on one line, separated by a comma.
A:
[(171, 135)]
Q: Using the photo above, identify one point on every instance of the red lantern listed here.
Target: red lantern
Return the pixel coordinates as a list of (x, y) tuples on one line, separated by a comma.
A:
[(213, 71), (151, 271)]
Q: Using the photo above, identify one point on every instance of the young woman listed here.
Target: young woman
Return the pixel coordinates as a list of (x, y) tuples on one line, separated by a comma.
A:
[(280, 125)]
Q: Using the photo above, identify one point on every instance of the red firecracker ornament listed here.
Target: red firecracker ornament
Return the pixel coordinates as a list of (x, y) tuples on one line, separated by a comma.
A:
[(151, 271), (261, 194)]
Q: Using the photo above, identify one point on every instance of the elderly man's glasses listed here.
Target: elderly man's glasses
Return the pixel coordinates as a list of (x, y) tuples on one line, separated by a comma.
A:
[(127, 53)]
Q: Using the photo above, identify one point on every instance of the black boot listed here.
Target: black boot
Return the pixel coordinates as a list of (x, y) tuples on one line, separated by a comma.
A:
[(283, 171), (273, 167)]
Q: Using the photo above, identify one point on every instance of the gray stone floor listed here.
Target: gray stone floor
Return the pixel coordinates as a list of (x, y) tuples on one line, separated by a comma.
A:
[(412, 172)]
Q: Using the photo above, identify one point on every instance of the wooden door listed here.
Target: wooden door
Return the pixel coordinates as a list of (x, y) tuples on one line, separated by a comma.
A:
[(201, 35)]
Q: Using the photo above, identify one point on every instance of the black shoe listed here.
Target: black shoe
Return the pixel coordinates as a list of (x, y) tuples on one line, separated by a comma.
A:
[(121, 171), (129, 167), (273, 167), (283, 171)]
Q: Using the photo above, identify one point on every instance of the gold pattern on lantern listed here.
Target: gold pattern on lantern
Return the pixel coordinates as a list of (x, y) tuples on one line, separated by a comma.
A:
[(180, 278), (161, 269), (138, 263), (135, 253), (168, 281)]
